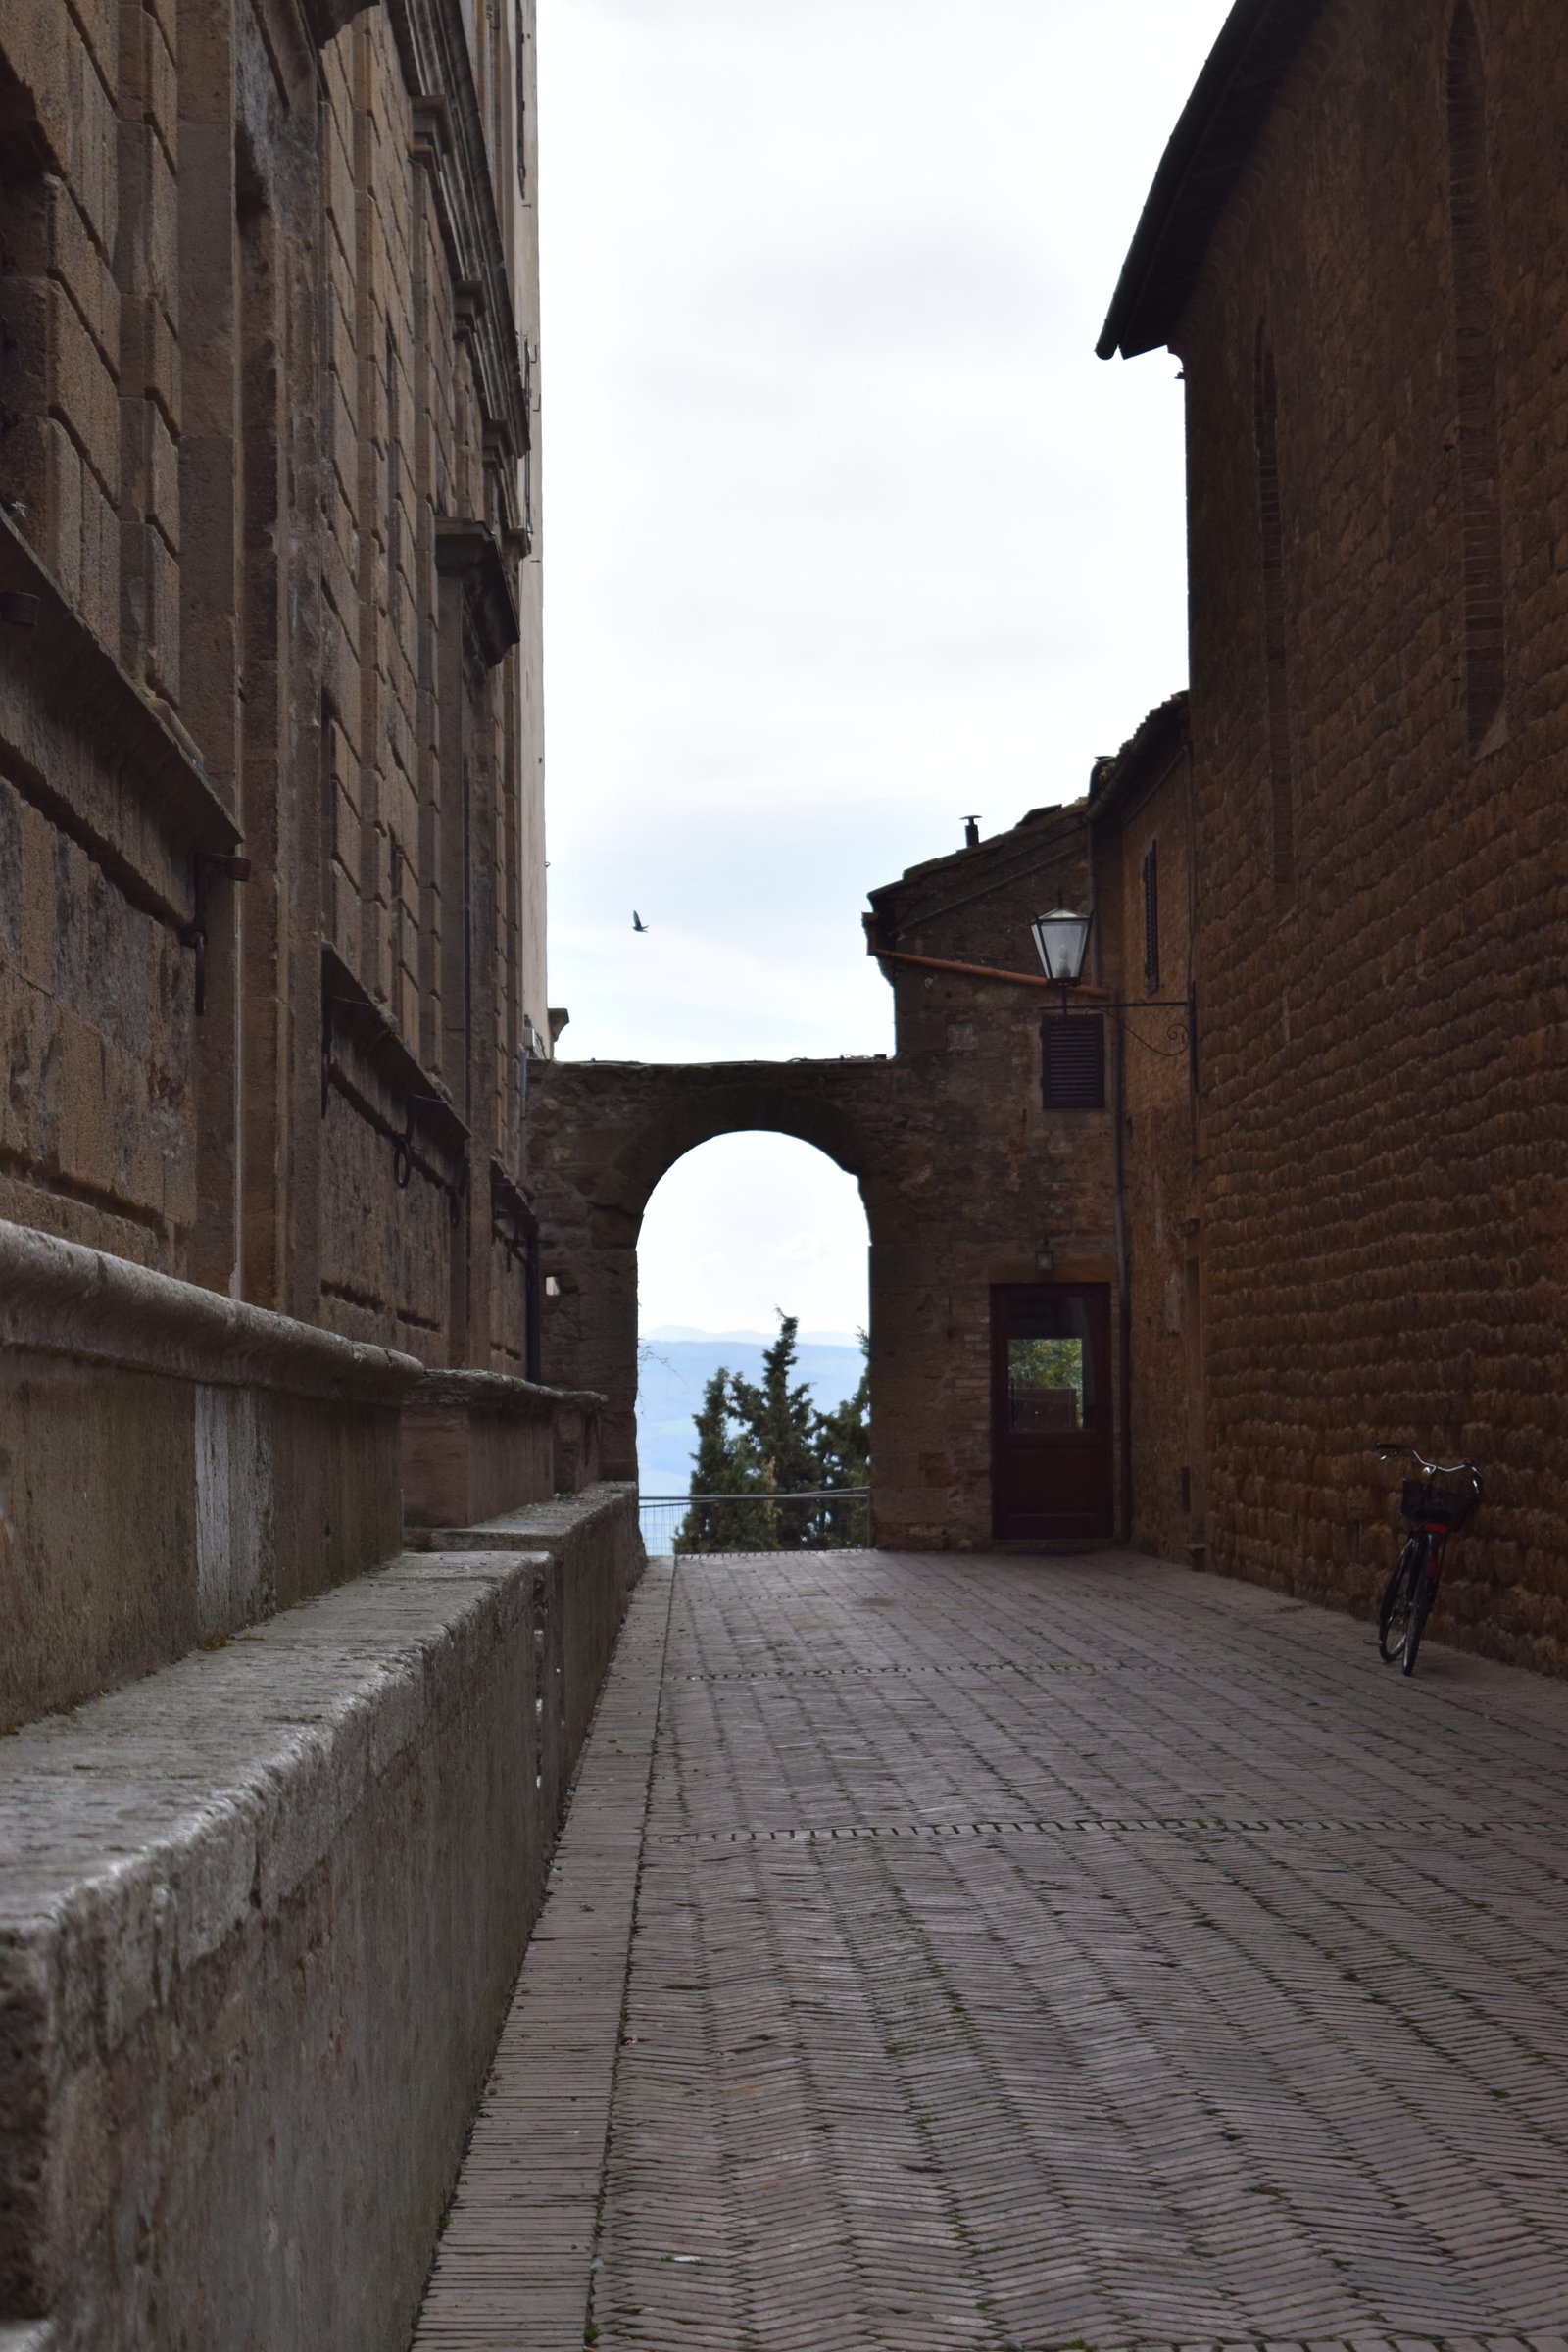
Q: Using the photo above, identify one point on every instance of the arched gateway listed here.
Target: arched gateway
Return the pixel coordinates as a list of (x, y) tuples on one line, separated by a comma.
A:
[(995, 1362), (604, 1132)]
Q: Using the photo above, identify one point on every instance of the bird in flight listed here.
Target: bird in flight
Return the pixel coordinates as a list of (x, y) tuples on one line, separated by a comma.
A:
[(637, 922)]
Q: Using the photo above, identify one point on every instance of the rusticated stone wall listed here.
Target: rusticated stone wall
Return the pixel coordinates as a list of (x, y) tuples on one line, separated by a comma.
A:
[(268, 346), (1382, 876)]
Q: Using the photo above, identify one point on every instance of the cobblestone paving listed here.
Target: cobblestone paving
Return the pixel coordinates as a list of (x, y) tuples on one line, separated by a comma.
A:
[(1082, 1953)]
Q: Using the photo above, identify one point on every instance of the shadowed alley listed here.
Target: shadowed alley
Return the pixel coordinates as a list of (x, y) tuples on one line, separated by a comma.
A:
[(998, 1952)]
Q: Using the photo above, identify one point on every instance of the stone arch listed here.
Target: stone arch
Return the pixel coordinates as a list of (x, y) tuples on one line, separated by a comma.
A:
[(605, 1135)]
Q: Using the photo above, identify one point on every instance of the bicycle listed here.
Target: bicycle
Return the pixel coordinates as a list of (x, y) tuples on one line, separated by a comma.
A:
[(1432, 1514)]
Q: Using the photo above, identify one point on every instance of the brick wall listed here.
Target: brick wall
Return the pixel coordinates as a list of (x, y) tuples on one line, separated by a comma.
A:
[(1382, 1122)]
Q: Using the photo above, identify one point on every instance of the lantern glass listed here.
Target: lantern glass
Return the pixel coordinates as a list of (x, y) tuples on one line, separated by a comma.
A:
[(1063, 940)]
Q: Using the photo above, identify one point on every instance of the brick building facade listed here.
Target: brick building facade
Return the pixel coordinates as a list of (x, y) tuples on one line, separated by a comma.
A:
[(1356, 245), (267, 414)]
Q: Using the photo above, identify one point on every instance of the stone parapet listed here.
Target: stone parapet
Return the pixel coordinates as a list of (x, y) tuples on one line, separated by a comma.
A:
[(596, 1555), (260, 1915), (475, 1443), (173, 1465)]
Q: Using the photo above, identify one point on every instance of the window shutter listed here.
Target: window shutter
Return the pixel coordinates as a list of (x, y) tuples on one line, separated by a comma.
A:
[(1151, 917), (1072, 1061)]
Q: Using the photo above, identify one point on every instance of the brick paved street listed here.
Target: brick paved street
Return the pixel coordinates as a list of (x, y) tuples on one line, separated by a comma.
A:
[(1033, 1953)]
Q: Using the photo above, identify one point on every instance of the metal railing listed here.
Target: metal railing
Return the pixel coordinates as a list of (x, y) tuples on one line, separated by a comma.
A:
[(822, 1519)]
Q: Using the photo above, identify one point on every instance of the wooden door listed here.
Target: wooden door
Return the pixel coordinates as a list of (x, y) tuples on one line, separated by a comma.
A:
[(1051, 1415)]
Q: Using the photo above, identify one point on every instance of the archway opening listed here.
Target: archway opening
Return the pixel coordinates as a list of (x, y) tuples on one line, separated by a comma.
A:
[(742, 1230)]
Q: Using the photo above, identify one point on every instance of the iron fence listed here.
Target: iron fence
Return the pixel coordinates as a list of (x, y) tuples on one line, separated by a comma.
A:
[(825, 1519)]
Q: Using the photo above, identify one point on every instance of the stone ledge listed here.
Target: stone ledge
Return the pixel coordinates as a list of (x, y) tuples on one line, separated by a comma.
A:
[(478, 1443), (546, 1525), (597, 1561), (260, 1915), (63, 1299), (500, 1392), (173, 1465)]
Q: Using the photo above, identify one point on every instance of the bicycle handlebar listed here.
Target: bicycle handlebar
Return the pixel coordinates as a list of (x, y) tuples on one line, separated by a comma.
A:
[(1389, 1449)]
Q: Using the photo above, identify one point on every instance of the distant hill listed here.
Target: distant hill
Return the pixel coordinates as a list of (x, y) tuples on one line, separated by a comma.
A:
[(673, 1373)]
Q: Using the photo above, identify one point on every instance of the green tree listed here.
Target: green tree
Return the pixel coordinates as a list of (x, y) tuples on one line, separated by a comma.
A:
[(727, 1463), (764, 1438)]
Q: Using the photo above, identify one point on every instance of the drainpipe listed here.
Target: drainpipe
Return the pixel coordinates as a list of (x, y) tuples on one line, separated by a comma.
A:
[(1118, 1113)]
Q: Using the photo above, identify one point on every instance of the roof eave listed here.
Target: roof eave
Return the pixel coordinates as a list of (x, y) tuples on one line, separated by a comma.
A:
[(1204, 158)]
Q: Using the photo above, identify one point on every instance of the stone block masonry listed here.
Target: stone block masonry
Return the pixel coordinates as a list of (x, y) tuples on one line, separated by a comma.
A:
[(269, 358), (261, 1915), (174, 1466)]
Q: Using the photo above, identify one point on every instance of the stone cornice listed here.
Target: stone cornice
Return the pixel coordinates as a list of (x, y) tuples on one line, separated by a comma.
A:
[(499, 1392), (59, 1300), (450, 140), (469, 551)]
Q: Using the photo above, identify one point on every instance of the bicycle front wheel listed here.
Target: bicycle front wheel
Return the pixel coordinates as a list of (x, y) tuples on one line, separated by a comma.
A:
[(1398, 1602)]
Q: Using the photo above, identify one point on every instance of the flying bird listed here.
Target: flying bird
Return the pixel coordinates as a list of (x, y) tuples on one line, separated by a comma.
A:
[(637, 922)]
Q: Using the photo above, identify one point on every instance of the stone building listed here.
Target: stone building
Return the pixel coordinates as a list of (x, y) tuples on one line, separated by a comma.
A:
[(307, 1594), (1322, 1200), (1357, 244), (267, 414), (997, 1195)]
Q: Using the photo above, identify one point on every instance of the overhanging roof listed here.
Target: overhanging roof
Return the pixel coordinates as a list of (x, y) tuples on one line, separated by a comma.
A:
[(1208, 151)]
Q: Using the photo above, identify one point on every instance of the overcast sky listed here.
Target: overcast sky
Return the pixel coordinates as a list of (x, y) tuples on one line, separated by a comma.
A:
[(846, 531)]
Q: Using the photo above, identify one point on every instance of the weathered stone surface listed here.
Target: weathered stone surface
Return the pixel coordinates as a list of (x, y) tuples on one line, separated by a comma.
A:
[(593, 1542), (173, 1466), (268, 295), (258, 1917), (478, 1443)]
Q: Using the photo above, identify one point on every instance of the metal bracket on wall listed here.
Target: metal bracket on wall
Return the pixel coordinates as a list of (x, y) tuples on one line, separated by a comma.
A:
[(514, 1226), (421, 1142), (404, 1161), (205, 864), (1182, 1032)]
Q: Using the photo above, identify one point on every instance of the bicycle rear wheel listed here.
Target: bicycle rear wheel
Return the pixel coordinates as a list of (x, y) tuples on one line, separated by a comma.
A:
[(1398, 1602)]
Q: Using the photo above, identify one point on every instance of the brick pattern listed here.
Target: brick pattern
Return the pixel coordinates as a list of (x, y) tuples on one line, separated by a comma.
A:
[(1383, 1179), (1048, 1957), (514, 2257)]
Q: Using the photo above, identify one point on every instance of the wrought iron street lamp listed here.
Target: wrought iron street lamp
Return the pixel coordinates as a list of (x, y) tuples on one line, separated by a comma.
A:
[(1061, 941)]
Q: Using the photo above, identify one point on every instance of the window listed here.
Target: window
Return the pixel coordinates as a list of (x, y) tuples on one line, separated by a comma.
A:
[(1072, 1061), (1476, 438), (1151, 916), (1276, 647)]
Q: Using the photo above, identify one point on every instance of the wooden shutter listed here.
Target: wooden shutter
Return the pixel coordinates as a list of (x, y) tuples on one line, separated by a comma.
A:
[(1072, 1061)]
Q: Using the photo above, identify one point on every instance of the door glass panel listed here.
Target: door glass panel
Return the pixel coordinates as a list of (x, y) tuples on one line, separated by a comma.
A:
[(1046, 1384), (1050, 1364)]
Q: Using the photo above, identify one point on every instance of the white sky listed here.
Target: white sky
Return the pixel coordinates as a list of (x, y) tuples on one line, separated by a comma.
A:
[(847, 530)]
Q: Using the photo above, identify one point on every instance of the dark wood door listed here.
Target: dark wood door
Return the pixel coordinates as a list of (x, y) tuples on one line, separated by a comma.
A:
[(1051, 1424)]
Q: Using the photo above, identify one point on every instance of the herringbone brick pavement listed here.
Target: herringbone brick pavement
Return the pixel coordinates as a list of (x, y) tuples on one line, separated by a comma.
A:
[(1069, 1953)]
